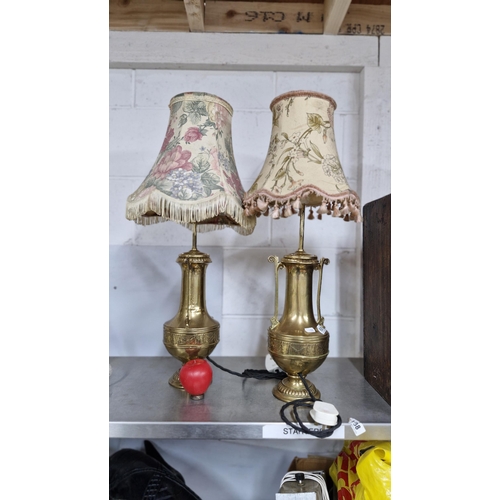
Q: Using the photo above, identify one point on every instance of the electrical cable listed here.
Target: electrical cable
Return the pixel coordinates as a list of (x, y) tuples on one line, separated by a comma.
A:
[(305, 402), (251, 373)]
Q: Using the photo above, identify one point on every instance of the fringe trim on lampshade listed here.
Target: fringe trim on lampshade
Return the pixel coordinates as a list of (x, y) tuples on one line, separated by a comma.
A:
[(188, 213), (345, 205)]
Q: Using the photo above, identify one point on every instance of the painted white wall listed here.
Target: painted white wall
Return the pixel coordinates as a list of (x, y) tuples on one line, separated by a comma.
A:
[(144, 281)]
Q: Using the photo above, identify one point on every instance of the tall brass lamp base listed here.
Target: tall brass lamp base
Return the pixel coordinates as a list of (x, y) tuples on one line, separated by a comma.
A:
[(298, 342), (192, 333)]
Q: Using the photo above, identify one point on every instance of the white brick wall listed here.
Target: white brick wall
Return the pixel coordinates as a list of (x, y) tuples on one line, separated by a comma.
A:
[(240, 281)]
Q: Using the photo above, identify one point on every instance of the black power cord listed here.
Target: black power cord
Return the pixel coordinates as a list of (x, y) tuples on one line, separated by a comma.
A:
[(250, 373), (305, 402)]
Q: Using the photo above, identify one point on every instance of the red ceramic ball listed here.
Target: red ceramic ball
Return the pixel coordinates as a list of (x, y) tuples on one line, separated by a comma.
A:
[(196, 376)]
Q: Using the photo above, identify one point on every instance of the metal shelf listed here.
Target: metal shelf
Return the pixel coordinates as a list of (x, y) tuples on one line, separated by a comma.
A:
[(143, 405)]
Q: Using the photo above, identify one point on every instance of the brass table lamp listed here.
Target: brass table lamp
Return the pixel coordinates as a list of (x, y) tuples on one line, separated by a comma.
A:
[(302, 169), (194, 182)]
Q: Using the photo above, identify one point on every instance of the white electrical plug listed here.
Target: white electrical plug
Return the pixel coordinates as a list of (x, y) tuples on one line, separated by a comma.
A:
[(324, 413)]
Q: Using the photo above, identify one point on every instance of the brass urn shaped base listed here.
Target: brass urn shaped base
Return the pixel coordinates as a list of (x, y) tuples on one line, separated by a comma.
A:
[(298, 342), (192, 333)]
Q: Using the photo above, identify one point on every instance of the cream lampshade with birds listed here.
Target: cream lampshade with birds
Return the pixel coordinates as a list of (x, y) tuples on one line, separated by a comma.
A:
[(302, 170)]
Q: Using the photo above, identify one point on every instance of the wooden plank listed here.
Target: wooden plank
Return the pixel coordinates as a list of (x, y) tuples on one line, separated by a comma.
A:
[(334, 13), (147, 15), (263, 17), (195, 10), (235, 16), (367, 20), (377, 295)]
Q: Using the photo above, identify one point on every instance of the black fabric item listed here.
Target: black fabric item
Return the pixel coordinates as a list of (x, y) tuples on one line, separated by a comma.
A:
[(135, 475)]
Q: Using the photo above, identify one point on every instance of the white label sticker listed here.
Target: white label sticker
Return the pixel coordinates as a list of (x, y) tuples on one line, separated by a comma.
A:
[(309, 330), (283, 431), (357, 427), (321, 329)]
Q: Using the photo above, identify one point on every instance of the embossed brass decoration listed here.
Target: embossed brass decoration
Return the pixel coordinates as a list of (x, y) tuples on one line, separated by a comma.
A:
[(192, 332)]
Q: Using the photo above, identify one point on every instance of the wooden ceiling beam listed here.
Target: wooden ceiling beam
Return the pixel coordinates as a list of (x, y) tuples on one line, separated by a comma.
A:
[(334, 14), (236, 16), (263, 17), (195, 10), (147, 15), (367, 19)]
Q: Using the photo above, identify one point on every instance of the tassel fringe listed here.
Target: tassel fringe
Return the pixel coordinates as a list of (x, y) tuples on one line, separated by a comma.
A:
[(188, 214), (345, 205)]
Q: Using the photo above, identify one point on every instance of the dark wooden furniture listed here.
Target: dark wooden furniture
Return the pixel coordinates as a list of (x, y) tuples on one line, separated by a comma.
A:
[(377, 295)]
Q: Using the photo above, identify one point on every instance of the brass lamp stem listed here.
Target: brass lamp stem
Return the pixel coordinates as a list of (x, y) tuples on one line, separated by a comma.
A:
[(301, 228), (192, 332), (195, 234), (188, 289)]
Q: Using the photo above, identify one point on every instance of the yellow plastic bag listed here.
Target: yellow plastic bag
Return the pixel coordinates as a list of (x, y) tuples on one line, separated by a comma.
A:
[(362, 471)]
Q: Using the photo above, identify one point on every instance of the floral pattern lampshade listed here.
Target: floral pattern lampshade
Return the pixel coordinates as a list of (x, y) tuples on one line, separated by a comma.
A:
[(302, 166), (194, 179)]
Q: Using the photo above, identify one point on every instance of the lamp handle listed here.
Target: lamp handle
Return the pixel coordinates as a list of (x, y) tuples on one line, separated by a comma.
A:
[(277, 266), (322, 262)]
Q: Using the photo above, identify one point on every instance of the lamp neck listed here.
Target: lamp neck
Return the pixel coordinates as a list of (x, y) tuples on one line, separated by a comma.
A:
[(301, 228), (195, 236), (193, 265)]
